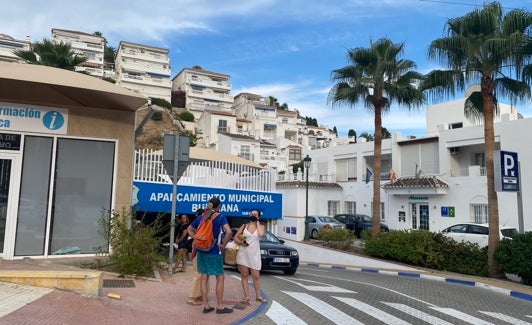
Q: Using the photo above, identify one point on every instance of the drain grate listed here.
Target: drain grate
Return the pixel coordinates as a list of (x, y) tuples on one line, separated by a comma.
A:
[(109, 283)]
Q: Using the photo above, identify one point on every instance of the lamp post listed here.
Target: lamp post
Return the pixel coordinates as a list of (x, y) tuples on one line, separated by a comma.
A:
[(306, 162)]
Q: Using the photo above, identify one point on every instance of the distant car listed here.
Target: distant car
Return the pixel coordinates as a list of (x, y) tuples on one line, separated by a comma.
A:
[(275, 255), (316, 223), (358, 222), (476, 233)]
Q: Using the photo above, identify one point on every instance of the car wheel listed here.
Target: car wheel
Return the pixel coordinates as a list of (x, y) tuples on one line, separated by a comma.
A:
[(290, 272), (314, 234)]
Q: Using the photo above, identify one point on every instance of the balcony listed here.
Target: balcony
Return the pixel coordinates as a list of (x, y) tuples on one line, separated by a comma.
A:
[(223, 129), (208, 83), (145, 56), (139, 66)]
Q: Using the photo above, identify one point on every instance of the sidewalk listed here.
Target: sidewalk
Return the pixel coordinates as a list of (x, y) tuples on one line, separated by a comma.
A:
[(162, 300)]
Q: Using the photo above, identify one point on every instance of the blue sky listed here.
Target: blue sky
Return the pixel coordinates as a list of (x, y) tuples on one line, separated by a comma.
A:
[(281, 48)]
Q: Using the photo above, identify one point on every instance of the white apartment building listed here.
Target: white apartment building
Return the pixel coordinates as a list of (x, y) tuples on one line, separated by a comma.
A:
[(88, 45), (8, 44), (440, 178), (144, 69), (205, 90)]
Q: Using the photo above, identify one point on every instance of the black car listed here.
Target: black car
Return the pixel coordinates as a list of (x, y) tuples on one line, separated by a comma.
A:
[(357, 222), (275, 255)]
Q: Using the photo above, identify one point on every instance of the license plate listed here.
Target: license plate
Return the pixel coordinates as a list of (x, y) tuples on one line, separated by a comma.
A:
[(281, 260)]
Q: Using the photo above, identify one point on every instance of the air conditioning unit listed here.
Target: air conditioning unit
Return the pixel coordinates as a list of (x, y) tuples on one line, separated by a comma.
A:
[(455, 150)]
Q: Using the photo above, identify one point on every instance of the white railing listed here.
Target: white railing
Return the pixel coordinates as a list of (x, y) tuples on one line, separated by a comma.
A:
[(210, 173)]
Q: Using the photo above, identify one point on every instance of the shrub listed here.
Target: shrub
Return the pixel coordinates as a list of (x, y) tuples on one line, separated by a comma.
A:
[(161, 102), (186, 116), (427, 249), (157, 116), (515, 256), (135, 248), (336, 237)]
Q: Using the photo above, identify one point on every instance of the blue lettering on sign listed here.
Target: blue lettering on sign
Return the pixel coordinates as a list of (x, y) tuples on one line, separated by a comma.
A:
[(5, 123), (156, 197), (53, 120)]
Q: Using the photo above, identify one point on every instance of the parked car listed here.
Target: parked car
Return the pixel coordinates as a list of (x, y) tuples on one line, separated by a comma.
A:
[(358, 222), (275, 255), (476, 233), (316, 223)]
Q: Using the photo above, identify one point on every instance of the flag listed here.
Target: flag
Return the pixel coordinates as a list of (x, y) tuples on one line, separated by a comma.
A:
[(393, 176), (368, 175)]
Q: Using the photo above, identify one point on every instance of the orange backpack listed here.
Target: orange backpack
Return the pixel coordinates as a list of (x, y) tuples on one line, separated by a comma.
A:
[(204, 239)]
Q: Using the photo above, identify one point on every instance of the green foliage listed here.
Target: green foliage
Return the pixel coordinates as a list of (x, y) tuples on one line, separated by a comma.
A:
[(341, 238), (186, 116), (351, 133), (58, 55), (193, 138), (427, 249), (135, 250), (515, 256), (109, 79), (161, 102), (157, 116)]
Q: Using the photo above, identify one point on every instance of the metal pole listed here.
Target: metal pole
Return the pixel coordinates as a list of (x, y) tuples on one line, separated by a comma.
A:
[(306, 206), (174, 203)]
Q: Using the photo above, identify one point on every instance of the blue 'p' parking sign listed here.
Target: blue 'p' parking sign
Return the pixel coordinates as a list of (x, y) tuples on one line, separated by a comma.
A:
[(509, 171)]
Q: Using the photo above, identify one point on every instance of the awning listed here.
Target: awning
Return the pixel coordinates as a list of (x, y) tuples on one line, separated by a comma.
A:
[(47, 86)]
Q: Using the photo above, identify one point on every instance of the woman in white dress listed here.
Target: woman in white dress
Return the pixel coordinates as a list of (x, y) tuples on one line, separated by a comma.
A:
[(248, 255)]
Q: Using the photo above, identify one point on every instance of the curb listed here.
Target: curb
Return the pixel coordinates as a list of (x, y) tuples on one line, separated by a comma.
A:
[(512, 293)]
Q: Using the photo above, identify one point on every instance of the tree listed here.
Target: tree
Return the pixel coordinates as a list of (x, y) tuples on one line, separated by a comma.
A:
[(369, 137), (483, 46), (385, 133), (335, 131), (109, 52), (58, 55), (377, 77), (311, 121)]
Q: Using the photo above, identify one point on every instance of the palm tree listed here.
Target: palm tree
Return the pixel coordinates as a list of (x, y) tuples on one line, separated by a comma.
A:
[(377, 77), (58, 55), (483, 46)]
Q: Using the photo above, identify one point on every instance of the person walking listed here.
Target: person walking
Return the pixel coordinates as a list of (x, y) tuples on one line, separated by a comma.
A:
[(194, 295), (181, 240), (248, 256), (211, 263)]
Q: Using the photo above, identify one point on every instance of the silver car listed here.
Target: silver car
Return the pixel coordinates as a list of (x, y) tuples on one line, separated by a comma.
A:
[(316, 223)]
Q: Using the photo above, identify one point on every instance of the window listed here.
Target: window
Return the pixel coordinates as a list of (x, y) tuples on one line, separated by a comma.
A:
[(456, 125), (245, 152), (294, 154), (383, 215), (478, 212), (479, 159), (332, 207), (285, 119), (222, 126), (350, 207)]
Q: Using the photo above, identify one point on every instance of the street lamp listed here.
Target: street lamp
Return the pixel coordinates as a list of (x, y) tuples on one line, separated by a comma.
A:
[(306, 163)]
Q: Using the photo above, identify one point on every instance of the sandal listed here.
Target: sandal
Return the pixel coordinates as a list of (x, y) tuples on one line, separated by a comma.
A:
[(245, 302), (193, 303), (263, 300)]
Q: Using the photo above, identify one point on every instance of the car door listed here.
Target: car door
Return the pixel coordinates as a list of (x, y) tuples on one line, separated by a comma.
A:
[(477, 234)]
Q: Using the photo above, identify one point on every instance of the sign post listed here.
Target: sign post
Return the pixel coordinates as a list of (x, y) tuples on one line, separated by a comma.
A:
[(175, 160)]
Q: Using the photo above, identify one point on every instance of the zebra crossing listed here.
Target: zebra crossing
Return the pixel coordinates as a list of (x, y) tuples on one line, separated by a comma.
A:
[(279, 314)]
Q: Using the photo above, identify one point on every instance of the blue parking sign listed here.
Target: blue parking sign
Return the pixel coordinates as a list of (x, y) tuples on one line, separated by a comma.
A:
[(509, 171)]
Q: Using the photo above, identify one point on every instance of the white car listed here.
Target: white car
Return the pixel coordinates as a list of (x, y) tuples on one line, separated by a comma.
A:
[(476, 233)]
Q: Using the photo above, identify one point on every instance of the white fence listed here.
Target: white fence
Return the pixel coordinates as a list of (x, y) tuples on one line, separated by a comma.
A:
[(209, 173)]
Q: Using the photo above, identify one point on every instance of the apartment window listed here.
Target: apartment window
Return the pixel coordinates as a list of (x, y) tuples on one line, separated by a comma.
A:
[(350, 207), (285, 119), (333, 207), (245, 152), (479, 212), (383, 216), (457, 125), (480, 159), (294, 154), (222, 126)]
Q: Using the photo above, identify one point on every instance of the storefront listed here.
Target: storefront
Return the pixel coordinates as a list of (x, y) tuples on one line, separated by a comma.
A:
[(66, 153)]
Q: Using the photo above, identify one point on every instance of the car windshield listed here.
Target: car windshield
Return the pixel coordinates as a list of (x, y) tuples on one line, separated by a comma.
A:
[(269, 237), (509, 232), (327, 219)]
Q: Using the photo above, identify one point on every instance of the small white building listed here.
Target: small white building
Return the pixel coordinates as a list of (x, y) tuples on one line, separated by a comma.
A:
[(144, 69), (8, 44)]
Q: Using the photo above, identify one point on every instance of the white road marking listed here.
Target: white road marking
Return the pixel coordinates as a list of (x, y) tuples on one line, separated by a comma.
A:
[(418, 314), (282, 316), (462, 316), (506, 318), (319, 287), (14, 296), (372, 311), (332, 313)]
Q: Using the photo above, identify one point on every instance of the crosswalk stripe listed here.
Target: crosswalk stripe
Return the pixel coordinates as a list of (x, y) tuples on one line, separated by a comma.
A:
[(506, 318), (462, 316), (372, 311), (418, 314), (319, 286), (332, 313), (282, 316)]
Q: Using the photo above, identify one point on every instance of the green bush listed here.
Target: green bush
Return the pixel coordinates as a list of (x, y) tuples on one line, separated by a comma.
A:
[(161, 102), (337, 237), (427, 249), (157, 116), (186, 116), (515, 256), (134, 247)]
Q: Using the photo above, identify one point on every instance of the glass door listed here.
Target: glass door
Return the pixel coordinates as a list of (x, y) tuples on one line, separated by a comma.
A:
[(5, 177), (8, 201)]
